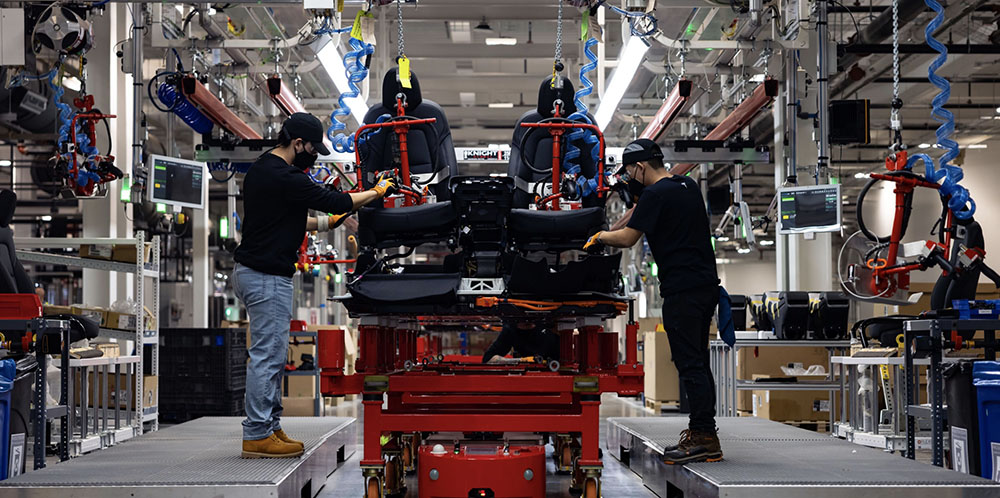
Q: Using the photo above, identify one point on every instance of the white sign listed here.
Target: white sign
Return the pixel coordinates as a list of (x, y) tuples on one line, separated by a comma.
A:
[(960, 449), (995, 450), (482, 154), (16, 455)]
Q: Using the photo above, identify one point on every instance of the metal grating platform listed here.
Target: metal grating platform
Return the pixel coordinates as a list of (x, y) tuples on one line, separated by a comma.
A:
[(770, 459), (197, 459)]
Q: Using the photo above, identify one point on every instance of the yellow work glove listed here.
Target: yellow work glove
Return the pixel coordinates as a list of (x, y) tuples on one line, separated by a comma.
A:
[(594, 240), (337, 219), (385, 183)]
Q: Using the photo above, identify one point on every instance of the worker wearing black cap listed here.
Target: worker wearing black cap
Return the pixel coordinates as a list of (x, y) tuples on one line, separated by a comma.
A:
[(671, 213), (277, 195)]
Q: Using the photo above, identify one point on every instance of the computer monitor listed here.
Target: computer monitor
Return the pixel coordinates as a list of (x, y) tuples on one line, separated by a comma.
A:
[(177, 182), (815, 208)]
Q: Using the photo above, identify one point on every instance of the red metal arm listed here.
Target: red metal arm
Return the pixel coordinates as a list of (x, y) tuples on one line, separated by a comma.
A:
[(75, 169), (216, 110), (556, 130), (739, 118)]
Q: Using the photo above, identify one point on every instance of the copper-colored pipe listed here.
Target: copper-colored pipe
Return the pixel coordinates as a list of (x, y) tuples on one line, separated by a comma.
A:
[(216, 110), (671, 108)]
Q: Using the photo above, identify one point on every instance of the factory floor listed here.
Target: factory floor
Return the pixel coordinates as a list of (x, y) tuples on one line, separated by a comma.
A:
[(617, 480)]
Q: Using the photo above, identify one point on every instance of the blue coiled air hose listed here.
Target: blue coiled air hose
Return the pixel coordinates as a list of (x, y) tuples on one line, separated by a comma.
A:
[(184, 109), (354, 62), (570, 160), (957, 197)]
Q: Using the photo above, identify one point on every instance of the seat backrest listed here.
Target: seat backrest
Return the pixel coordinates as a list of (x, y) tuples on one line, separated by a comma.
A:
[(429, 146), (13, 278), (537, 147)]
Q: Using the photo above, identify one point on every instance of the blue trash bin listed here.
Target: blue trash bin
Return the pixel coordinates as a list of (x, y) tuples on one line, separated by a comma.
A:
[(986, 377), (8, 371)]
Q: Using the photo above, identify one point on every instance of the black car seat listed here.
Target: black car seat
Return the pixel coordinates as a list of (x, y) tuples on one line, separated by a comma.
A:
[(13, 278), (530, 166), (431, 159)]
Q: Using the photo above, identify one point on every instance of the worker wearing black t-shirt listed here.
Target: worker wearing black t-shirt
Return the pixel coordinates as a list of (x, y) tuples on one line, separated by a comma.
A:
[(277, 195), (671, 213)]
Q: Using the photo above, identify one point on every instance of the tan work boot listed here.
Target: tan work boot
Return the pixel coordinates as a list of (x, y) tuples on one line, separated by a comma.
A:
[(284, 437), (270, 447), (694, 446)]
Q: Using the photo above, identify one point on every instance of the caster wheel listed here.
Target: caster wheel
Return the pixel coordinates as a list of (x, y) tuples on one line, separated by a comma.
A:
[(407, 458), (590, 489)]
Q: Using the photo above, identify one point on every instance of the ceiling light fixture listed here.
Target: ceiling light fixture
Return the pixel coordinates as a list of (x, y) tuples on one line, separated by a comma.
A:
[(861, 176), (743, 250), (46, 217), (976, 146), (5, 163), (329, 58), (484, 26), (767, 243), (501, 105), (502, 40), (924, 146), (998, 110), (628, 63)]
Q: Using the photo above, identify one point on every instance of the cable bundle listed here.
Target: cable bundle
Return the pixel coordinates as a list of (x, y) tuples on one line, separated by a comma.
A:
[(356, 73), (570, 165), (957, 197)]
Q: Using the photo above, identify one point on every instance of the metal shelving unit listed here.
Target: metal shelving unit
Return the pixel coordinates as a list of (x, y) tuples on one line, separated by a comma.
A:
[(319, 408), (727, 384), (141, 270)]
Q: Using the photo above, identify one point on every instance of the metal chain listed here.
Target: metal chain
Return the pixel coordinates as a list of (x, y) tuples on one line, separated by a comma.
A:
[(399, 25), (559, 33), (894, 122)]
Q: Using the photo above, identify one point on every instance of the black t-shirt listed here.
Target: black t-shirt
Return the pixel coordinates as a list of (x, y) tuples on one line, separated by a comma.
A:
[(276, 200), (671, 212)]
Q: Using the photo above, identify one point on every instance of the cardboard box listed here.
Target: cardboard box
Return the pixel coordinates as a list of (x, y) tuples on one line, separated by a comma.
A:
[(236, 324), (790, 406), (150, 388), (97, 314), (768, 360), (303, 406), (49, 309), (120, 321), (97, 251), (126, 253), (110, 349), (661, 382)]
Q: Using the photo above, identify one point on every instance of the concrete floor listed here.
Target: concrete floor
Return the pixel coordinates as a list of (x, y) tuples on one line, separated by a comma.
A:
[(617, 480)]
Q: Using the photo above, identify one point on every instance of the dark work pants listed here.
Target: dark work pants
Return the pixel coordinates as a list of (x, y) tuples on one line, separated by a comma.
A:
[(687, 316)]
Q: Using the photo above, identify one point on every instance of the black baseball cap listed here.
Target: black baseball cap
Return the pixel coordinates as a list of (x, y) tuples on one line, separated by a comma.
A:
[(642, 149), (307, 127)]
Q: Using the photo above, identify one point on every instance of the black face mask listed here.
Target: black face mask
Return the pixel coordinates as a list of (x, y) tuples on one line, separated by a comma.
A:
[(304, 160), (635, 188)]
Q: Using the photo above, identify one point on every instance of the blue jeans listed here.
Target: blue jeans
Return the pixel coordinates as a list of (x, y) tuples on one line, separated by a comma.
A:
[(268, 300)]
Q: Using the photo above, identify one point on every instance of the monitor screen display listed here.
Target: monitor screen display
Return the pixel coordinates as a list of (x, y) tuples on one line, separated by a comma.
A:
[(177, 182), (809, 209)]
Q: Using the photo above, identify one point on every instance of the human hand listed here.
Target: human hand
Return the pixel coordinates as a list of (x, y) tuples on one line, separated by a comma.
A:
[(594, 241)]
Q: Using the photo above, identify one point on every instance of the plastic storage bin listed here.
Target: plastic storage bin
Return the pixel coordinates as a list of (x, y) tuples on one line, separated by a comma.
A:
[(8, 371), (986, 377), (963, 411)]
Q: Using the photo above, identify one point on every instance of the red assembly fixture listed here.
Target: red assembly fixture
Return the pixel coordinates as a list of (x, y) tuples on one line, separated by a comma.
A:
[(671, 108), (216, 110), (740, 117)]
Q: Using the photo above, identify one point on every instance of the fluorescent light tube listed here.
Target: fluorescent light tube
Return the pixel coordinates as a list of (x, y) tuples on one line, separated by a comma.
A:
[(501, 41), (329, 57), (501, 105), (628, 63)]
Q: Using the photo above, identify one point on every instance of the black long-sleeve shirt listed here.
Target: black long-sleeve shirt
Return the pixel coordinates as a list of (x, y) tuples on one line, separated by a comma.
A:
[(276, 200)]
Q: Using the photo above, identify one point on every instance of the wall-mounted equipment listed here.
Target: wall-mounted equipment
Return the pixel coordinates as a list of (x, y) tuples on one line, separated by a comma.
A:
[(849, 122), (815, 208), (177, 182)]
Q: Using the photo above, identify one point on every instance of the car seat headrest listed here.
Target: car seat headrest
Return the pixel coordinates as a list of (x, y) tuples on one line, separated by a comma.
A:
[(548, 94), (391, 87), (7, 202)]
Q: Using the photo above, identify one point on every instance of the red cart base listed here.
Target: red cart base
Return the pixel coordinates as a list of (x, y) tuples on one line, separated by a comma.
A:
[(481, 470)]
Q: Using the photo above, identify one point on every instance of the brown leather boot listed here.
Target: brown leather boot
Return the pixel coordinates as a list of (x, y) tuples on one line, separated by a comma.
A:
[(694, 446), (284, 437), (270, 447)]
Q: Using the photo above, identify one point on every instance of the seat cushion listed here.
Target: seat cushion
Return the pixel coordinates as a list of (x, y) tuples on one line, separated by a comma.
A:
[(417, 222), (573, 224)]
